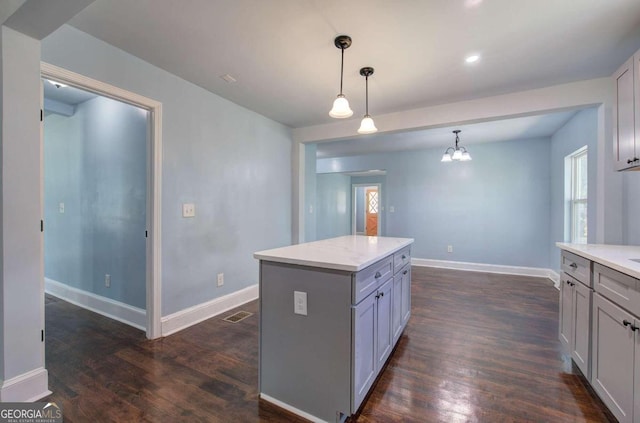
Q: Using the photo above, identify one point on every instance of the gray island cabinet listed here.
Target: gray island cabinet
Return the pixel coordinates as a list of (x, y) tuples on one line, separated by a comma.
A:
[(331, 312)]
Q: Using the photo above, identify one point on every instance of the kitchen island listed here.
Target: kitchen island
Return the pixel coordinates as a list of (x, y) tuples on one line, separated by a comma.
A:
[(331, 312)]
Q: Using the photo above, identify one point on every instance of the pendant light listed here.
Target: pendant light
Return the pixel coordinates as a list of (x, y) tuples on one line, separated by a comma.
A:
[(367, 126), (458, 153), (341, 109)]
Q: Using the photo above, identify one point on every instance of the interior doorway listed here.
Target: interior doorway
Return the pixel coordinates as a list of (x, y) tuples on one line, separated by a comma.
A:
[(367, 207), (147, 198)]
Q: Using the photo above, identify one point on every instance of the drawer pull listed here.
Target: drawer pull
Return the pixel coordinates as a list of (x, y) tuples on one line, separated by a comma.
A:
[(575, 266), (378, 275), (405, 272), (625, 322)]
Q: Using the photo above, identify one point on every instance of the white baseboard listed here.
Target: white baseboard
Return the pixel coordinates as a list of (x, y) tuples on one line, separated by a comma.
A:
[(27, 387), (489, 268), (190, 316), (116, 310), (292, 409)]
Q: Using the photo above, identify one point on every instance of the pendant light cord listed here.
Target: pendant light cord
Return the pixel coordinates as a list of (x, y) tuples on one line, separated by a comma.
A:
[(366, 81), (341, 70)]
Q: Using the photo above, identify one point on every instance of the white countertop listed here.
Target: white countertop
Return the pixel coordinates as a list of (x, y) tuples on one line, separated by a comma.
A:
[(351, 253), (617, 257)]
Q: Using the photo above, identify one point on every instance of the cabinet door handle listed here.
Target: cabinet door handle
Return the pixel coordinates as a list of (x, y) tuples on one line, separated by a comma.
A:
[(575, 266), (634, 328), (378, 275), (404, 257), (382, 294), (377, 296), (405, 272), (625, 322), (630, 161), (636, 159)]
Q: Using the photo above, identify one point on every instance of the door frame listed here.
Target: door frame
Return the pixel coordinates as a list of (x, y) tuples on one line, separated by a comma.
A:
[(353, 206), (154, 184)]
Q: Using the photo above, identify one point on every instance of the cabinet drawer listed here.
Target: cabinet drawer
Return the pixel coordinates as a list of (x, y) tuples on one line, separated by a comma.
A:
[(367, 280), (618, 287), (577, 267), (401, 258)]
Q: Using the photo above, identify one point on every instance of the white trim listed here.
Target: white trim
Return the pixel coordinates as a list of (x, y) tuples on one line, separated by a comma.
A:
[(116, 310), (190, 316), (489, 268), (154, 188), (291, 408), (27, 387)]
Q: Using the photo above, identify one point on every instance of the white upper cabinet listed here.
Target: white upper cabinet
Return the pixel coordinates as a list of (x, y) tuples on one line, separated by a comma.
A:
[(626, 115)]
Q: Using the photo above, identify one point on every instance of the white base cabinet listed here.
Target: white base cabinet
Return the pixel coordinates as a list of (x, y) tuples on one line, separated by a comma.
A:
[(575, 311), (615, 358), (600, 328)]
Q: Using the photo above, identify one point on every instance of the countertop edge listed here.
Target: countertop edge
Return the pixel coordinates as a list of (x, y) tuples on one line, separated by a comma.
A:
[(599, 259), (332, 266)]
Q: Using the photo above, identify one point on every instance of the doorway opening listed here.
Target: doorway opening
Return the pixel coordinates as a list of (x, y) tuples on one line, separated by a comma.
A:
[(101, 198), (366, 219)]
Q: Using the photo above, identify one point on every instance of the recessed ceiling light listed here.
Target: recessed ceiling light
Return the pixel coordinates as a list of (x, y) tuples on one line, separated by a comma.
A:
[(56, 83), (472, 3), (472, 59), (228, 78)]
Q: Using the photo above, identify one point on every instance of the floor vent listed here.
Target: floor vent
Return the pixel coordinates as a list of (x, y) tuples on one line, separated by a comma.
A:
[(238, 316)]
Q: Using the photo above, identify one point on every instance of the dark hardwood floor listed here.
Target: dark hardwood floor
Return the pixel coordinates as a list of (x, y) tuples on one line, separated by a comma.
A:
[(478, 348)]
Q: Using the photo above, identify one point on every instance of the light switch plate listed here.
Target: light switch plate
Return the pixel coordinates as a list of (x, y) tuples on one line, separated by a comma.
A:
[(188, 210), (300, 303)]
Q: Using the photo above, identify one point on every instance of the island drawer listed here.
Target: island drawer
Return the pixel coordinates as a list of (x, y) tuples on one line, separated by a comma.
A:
[(578, 267), (622, 289), (401, 258), (367, 280)]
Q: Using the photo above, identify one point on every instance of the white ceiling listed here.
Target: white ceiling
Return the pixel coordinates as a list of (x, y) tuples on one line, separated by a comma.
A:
[(494, 131), (281, 51)]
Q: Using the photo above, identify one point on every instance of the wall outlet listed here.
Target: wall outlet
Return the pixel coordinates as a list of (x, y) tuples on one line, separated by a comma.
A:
[(61, 207), (449, 248), (300, 303), (188, 210), (107, 281), (220, 279)]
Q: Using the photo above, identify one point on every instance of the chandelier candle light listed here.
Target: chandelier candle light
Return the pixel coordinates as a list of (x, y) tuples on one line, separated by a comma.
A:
[(458, 153), (367, 126), (341, 109)]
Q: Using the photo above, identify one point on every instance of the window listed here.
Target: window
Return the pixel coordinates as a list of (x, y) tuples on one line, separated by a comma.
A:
[(577, 206)]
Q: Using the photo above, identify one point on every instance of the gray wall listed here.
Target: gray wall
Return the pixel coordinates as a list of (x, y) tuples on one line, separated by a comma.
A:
[(581, 130), (359, 211), (96, 164), (234, 164), (494, 209), (21, 290), (310, 211), (333, 199), (631, 208)]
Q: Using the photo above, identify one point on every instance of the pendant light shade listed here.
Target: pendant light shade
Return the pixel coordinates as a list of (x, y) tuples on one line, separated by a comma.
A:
[(457, 153), (341, 109), (367, 126)]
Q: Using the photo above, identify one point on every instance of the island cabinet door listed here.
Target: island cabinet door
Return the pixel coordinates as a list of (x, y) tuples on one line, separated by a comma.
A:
[(406, 294), (384, 332), (396, 311), (613, 357), (364, 348)]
